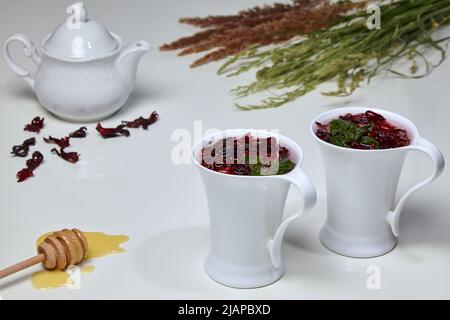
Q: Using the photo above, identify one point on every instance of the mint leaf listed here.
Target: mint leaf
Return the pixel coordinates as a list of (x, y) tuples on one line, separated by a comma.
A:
[(285, 166), (256, 169), (369, 141), (343, 133)]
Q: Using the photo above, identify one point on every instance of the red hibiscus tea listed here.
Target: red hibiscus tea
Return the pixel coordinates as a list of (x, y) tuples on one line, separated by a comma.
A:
[(247, 156), (368, 130)]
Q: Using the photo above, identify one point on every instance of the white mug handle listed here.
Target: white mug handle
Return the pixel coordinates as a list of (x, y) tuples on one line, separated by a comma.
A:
[(436, 156), (29, 50), (298, 178)]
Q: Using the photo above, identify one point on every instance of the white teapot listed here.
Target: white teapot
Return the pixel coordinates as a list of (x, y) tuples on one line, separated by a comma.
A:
[(83, 72)]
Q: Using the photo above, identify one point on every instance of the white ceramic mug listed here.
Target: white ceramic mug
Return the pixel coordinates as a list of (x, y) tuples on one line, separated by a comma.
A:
[(246, 217), (363, 218)]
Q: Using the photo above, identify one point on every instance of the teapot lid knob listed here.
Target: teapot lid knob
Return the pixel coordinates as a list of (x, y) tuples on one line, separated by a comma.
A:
[(78, 12), (80, 38)]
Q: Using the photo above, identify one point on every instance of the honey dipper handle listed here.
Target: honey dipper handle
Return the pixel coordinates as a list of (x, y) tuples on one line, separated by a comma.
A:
[(22, 265)]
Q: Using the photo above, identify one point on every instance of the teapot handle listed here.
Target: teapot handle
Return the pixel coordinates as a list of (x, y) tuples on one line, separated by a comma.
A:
[(29, 50), (423, 145), (299, 179)]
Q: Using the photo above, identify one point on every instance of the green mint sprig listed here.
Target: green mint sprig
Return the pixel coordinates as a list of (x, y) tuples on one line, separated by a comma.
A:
[(344, 133)]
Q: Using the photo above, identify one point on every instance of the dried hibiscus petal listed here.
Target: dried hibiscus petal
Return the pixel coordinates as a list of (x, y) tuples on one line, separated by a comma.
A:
[(35, 161), (35, 126), (133, 124), (323, 131), (283, 152), (71, 157), (247, 156), (24, 174), (368, 130), (32, 164), (80, 133), (62, 143), (22, 150), (112, 132), (142, 122), (29, 142)]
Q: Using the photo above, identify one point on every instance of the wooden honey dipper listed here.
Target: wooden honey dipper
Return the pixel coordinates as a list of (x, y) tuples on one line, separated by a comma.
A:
[(58, 251)]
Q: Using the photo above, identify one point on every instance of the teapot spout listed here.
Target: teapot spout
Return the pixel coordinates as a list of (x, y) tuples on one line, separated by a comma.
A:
[(128, 60)]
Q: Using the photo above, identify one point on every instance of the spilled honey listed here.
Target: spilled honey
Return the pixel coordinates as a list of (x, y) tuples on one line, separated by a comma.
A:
[(100, 244), (54, 279)]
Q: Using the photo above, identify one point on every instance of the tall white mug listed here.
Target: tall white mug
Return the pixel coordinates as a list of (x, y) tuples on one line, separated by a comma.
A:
[(363, 218), (246, 217)]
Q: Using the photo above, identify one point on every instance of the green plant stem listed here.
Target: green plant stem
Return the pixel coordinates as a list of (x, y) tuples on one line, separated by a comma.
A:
[(347, 52)]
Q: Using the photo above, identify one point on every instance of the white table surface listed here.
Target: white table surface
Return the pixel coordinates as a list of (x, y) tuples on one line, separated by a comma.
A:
[(131, 186)]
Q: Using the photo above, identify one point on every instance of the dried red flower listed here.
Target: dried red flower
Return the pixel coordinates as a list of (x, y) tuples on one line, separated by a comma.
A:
[(376, 132), (223, 36), (245, 155), (142, 122), (35, 161), (35, 126), (80, 133), (32, 164), (112, 132), (62, 143), (24, 174), (71, 157), (22, 150), (38, 123)]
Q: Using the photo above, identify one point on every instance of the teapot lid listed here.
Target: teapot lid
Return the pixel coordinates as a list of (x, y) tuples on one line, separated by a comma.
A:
[(80, 37)]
